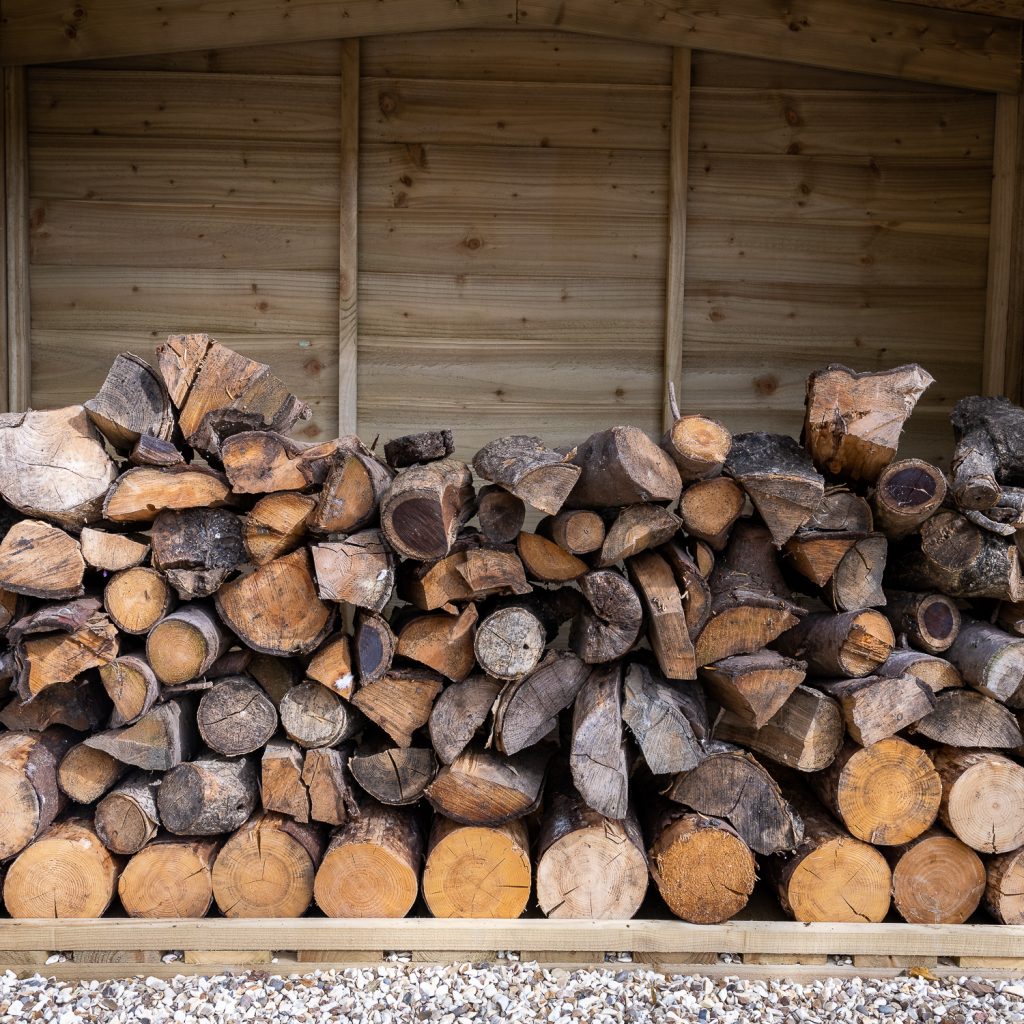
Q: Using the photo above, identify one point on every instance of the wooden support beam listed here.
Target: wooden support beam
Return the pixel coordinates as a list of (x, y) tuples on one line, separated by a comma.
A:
[(18, 347), (997, 8), (3, 251), (348, 276)]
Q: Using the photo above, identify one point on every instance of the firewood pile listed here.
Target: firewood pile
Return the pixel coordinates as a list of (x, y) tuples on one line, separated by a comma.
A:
[(248, 673)]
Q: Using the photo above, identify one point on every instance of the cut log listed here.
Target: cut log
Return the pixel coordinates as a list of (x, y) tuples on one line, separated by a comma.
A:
[(982, 798), (608, 623), (509, 642), (185, 644), (887, 793), (477, 871), (761, 816), (816, 554), (1010, 617), (374, 646), (963, 718), (636, 528), (331, 666), (779, 479), (847, 644), (622, 466), (276, 525), (441, 642), (843, 511), (698, 446), (670, 640), (85, 774), (164, 736), (132, 686), (372, 865), (327, 778), (155, 451), (141, 494), (111, 552), (937, 673), (929, 621), (281, 786), (989, 436), (262, 462), (132, 401), (208, 796), (56, 658), (991, 661), (169, 878), (598, 754), (39, 560), (805, 733), (500, 514), (424, 508), (656, 715), (693, 587), (236, 716), (438, 585), (137, 599), (127, 817), (395, 775), (857, 581), (54, 466), (427, 446), (907, 493), (400, 702), (266, 868), (358, 570), (313, 716), (578, 531), (459, 713), (1004, 887), (709, 508), (877, 707), (275, 609), (78, 705), (481, 788), (491, 572), (66, 872), (530, 470), (753, 686), (351, 494), (853, 420), (545, 561), (936, 879), (276, 675), (197, 539)]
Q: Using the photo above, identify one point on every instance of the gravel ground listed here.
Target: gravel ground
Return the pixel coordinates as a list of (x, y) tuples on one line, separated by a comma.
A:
[(513, 992)]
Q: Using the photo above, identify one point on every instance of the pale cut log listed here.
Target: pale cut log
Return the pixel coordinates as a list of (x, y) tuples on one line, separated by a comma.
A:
[(598, 754), (963, 718), (500, 514), (266, 869), (805, 733), (877, 707), (373, 646), (426, 446), (609, 621), (111, 552), (78, 705), (693, 587), (1004, 887), (576, 530), (481, 788), (989, 435), (929, 621), (54, 466), (169, 878), (669, 637), (261, 462), (155, 451), (331, 666), (127, 817), (546, 561), (141, 494), (276, 525), (351, 494), (400, 702), (40, 560), (842, 510), (762, 816), (137, 599), (853, 421), (236, 716), (275, 609), (208, 796), (655, 713), (85, 774), (490, 572), (622, 466), (509, 642), (185, 644), (698, 446), (816, 554), (281, 786), (395, 775), (709, 508), (132, 401), (55, 658), (982, 798), (907, 493), (372, 865), (358, 570), (66, 872), (753, 686), (857, 581), (886, 793), (163, 737), (441, 642), (327, 778), (779, 478), (424, 508), (936, 879), (526, 467), (588, 866), (846, 644), (527, 709), (937, 673), (459, 713), (313, 716), (991, 661), (132, 687), (198, 539), (477, 870)]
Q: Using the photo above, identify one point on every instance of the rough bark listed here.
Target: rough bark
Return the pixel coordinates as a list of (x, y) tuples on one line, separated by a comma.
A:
[(427, 446), (991, 661), (208, 796), (622, 466), (598, 755), (655, 713), (522, 464), (907, 493)]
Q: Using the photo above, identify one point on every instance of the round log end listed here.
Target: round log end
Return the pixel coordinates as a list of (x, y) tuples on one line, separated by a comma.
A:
[(842, 880), (938, 880), (167, 880), (365, 879)]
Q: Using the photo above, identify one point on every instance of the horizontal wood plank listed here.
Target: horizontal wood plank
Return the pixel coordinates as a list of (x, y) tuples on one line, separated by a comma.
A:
[(997, 8)]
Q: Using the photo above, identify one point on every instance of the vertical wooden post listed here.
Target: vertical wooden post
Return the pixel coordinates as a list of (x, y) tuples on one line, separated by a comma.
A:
[(4, 371), (18, 349), (348, 195), (678, 159)]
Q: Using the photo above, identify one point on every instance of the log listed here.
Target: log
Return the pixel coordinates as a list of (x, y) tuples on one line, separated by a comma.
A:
[(709, 508), (164, 736), (111, 552), (276, 525), (936, 879), (991, 661), (133, 401), (937, 673), (929, 621), (201, 539), (236, 716), (326, 776), (127, 817), (877, 707), (78, 705), (424, 508), (85, 773), (500, 514), (276, 675), (656, 714), (132, 687), (635, 529), (56, 658), (262, 462), (351, 495), (477, 871), (753, 686), (989, 435), (622, 466), (155, 451), (374, 646), (982, 798), (169, 878), (907, 493), (546, 562), (331, 666), (1004, 894), (841, 511), (609, 620), (805, 733), (492, 572), (66, 872), (509, 642), (779, 479), (372, 865), (185, 644), (313, 716), (427, 446), (438, 585), (693, 587), (857, 580), (141, 494), (1010, 617), (208, 796), (527, 468), (400, 702), (53, 466), (598, 754), (137, 599), (396, 776), (886, 793), (441, 642), (281, 786), (853, 420), (40, 560), (576, 530), (698, 446), (963, 718), (459, 713), (358, 570), (266, 868), (847, 644), (817, 554), (669, 637)]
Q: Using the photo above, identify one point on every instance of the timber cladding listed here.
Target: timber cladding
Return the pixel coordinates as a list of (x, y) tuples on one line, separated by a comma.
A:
[(515, 224)]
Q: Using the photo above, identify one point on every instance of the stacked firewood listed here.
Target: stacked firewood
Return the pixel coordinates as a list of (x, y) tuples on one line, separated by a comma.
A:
[(264, 675)]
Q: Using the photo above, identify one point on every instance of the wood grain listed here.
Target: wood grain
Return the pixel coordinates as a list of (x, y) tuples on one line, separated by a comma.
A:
[(348, 238), (16, 219)]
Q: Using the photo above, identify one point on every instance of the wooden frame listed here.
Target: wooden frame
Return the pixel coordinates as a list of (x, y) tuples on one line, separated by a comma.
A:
[(17, 360), (348, 276)]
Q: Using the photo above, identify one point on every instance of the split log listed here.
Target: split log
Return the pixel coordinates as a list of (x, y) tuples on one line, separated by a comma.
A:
[(656, 714), (169, 878), (937, 673), (608, 622), (313, 716), (622, 466), (400, 702), (698, 446), (85, 773), (328, 780), (578, 531), (276, 525), (459, 713), (200, 539), (907, 493), (930, 622), (374, 645), (358, 570), (331, 666), (424, 508), (528, 469), (127, 817), (164, 736), (817, 554), (477, 871), (266, 868), (78, 705), (877, 707), (208, 796), (262, 462), (351, 495), (853, 420), (441, 642), (372, 865), (991, 661), (857, 580), (963, 718), (155, 451), (779, 479), (281, 786), (111, 552), (236, 716), (545, 561), (427, 446), (693, 587), (40, 560), (141, 494), (276, 675), (492, 572), (133, 401), (137, 599), (653, 580), (843, 511), (635, 529), (753, 686), (989, 436), (438, 585), (847, 644), (185, 644), (66, 872), (396, 776), (709, 508), (500, 514), (509, 642), (1004, 887), (936, 879), (598, 755)]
